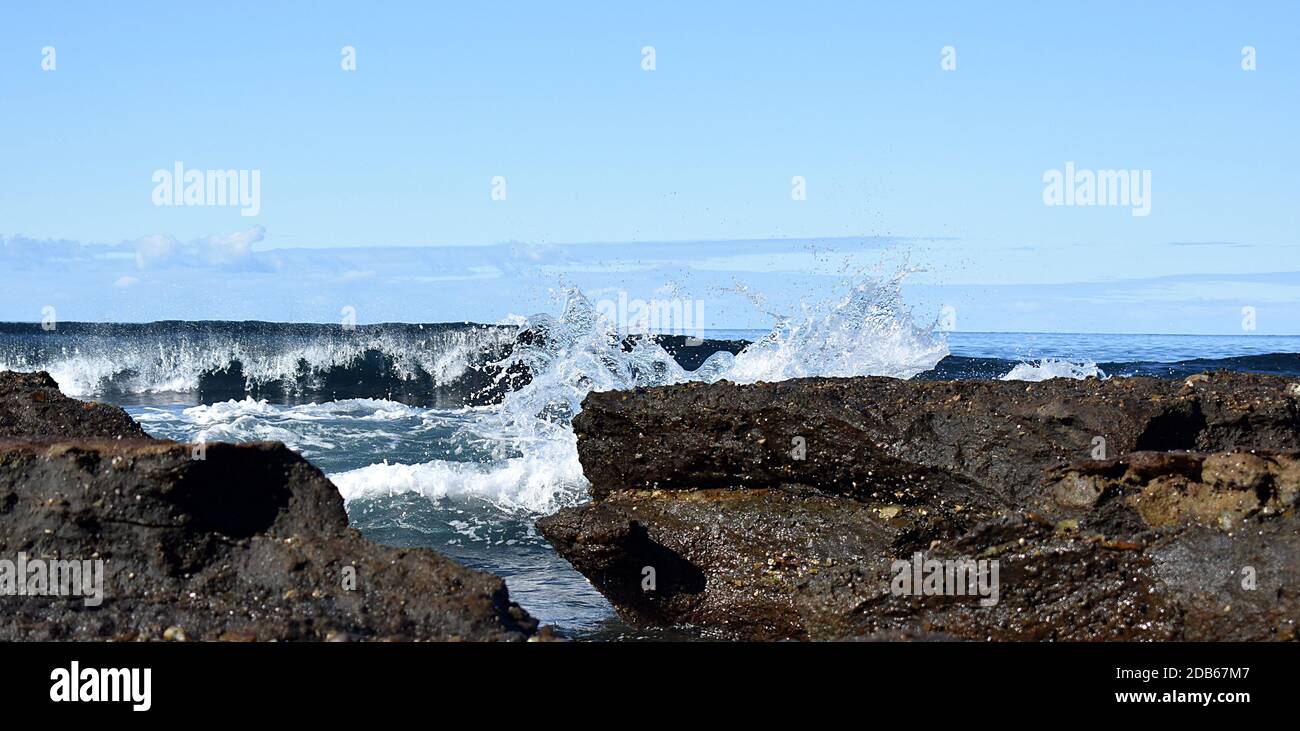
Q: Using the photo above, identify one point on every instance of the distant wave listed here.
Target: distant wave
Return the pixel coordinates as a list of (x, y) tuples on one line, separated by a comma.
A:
[(434, 364), (1283, 364), (956, 367), (445, 364)]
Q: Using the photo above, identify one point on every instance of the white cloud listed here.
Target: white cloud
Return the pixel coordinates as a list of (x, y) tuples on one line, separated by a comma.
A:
[(236, 248), (229, 251), (154, 250)]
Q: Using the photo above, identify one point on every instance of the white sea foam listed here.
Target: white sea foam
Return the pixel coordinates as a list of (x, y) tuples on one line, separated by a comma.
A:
[(357, 409), (1048, 368), (542, 481), (358, 425)]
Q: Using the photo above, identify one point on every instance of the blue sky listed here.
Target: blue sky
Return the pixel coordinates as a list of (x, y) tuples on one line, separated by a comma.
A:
[(945, 166)]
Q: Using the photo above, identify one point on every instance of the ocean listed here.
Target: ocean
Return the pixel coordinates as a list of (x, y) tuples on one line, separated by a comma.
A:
[(455, 436)]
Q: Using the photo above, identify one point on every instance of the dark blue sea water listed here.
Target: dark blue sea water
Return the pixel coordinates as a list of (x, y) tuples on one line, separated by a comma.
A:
[(431, 447)]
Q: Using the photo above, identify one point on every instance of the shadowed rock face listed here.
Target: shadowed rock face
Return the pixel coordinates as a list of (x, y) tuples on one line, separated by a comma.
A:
[(779, 510), (230, 542)]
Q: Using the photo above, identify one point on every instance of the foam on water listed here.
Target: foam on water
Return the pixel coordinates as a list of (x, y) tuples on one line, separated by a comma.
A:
[(337, 435), (476, 460), (539, 482), (1048, 368), (359, 409)]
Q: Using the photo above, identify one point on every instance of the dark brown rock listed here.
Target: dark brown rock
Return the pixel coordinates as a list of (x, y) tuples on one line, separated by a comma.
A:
[(31, 405), (702, 483), (988, 440), (213, 542)]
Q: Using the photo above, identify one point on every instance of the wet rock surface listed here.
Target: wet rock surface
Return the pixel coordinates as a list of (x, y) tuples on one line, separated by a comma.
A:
[(218, 542), (1126, 509)]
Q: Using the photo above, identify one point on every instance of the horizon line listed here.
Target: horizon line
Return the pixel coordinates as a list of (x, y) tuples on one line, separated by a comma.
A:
[(37, 324)]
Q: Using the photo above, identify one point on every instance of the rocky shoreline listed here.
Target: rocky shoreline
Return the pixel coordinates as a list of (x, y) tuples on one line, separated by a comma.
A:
[(208, 542), (1124, 509), (811, 509)]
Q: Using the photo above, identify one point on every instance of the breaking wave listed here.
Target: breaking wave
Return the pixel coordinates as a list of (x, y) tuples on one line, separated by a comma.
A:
[(281, 361), (868, 332)]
